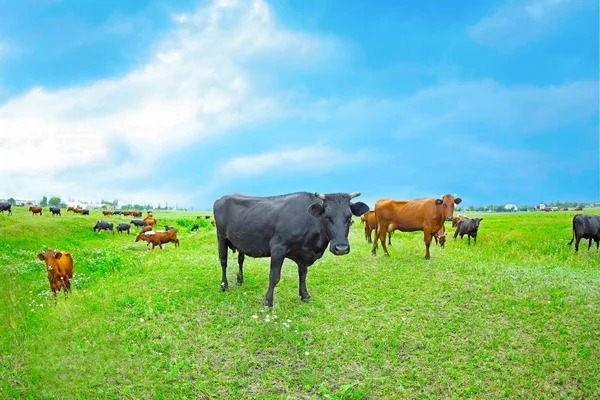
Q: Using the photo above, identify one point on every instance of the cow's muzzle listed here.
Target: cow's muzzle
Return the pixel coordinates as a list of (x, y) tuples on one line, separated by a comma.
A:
[(340, 249), (449, 218)]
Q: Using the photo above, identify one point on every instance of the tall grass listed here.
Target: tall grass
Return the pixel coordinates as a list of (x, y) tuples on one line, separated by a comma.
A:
[(514, 316)]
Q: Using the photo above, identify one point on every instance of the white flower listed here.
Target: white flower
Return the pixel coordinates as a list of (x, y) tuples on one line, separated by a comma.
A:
[(141, 319), (289, 320), (255, 316), (306, 353), (267, 320)]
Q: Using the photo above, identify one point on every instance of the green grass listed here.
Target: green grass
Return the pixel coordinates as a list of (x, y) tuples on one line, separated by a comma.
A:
[(517, 315)]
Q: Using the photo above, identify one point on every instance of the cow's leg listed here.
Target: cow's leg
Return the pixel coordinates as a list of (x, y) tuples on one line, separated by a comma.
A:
[(474, 239), (367, 233), (589, 243), (389, 238), (302, 271), (380, 233), (577, 240), (427, 238), (455, 233), (240, 276), (277, 257), (223, 248)]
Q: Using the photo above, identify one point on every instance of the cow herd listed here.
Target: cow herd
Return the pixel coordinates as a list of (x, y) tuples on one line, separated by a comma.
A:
[(301, 227)]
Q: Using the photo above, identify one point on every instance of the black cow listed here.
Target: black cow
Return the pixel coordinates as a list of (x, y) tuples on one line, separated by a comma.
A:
[(469, 227), (55, 210), (6, 207), (586, 226), (138, 222), (195, 227), (100, 225), (298, 226), (207, 217), (86, 212), (168, 228), (117, 213), (122, 227)]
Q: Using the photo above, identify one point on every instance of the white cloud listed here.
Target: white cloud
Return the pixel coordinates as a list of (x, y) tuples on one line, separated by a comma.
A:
[(198, 83), (519, 22), (302, 159)]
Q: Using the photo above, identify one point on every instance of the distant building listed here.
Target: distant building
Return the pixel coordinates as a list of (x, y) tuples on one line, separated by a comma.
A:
[(511, 207)]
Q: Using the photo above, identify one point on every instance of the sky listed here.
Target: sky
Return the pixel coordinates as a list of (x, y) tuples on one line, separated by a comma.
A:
[(186, 101)]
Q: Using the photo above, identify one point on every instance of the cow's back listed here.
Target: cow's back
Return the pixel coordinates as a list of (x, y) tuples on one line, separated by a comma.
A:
[(406, 215), (65, 265)]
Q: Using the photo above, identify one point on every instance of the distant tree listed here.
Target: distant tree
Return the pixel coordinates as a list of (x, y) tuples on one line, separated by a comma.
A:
[(137, 207), (44, 201), (11, 201), (54, 201), (63, 205)]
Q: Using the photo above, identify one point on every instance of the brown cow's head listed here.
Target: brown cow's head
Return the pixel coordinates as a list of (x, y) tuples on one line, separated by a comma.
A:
[(335, 211), (49, 257), (447, 202)]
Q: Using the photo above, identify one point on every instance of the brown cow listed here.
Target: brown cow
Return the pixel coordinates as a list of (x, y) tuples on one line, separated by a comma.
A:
[(159, 238), (36, 210), (126, 213), (457, 218), (71, 208), (370, 222), (60, 270), (213, 223), (108, 212), (78, 210), (150, 221), (146, 229), (136, 213), (427, 215), (441, 236)]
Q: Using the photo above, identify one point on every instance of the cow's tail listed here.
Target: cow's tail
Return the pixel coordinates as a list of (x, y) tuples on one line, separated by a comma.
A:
[(573, 238)]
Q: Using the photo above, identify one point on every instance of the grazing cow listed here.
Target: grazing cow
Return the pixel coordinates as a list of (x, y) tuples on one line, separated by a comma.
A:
[(55, 210), (370, 222), (427, 215), (298, 226), (126, 213), (158, 238), (150, 221), (78, 210), (100, 225), (85, 212), (213, 223), (146, 229), (116, 212), (468, 227), (586, 226), (70, 208), (457, 218), (168, 228), (195, 227), (138, 222), (6, 207), (36, 210), (136, 213), (122, 227), (207, 217), (60, 270), (107, 213), (441, 236)]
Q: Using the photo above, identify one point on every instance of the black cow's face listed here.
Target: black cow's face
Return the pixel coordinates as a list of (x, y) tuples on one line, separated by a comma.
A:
[(336, 214), (477, 221)]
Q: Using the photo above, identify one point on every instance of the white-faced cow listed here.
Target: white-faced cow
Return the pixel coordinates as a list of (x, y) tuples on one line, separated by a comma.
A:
[(298, 226)]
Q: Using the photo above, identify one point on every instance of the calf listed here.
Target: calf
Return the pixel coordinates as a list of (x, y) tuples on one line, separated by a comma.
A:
[(195, 227), (441, 236), (457, 218), (6, 207), (586, 226), (138, 222), (122, 227), (60, 270), (468, 227), (36, 210), (103, 225), (158, 238), (168, 228), (55, 210)]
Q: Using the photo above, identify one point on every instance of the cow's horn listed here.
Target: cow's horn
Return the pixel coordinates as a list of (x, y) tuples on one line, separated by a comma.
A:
[(355, 194), (319, 196)]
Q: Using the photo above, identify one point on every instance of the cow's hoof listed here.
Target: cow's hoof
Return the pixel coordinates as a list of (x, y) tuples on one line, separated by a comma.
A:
[(267, 303), (387, 254), (224, 287), (306, 299), (240, 280)]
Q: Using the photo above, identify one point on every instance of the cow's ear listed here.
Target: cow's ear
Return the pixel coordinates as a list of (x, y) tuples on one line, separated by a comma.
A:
[(438, 202), (316, 210), (480, 219), (58, 256), (359, 208), (41, 256), (457, 200)]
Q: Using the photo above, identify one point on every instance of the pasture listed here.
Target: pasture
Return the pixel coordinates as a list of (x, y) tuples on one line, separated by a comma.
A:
[(517, 315)]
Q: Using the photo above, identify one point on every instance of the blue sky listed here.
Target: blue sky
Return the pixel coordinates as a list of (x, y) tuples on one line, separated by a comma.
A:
[(185, 101)]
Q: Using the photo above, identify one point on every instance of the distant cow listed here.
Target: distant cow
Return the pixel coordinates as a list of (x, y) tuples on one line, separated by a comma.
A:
[(168, 228), (60, 270), (36, 210), (71, 208), (586, 226), (468, 227), (150, 221), (440, 236), (298, 226), (55, 210), (426, 214), (136, 213), (158, 238), (85, 212), (138, 222), (370, 221), (457, 218), (126, 213), (195, 227), (106, 213), (122, 227), (6, 207), (116, 212), (213, 223), (146, 229), (103, 225), (78, 210)]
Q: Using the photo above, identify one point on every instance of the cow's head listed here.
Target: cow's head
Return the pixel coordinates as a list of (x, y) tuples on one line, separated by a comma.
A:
[(447, 202), (335, 211), (476, 221), (50, 257)]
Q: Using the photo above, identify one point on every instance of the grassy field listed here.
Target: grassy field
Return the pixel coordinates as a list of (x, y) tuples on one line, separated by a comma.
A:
[(517, 315)]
